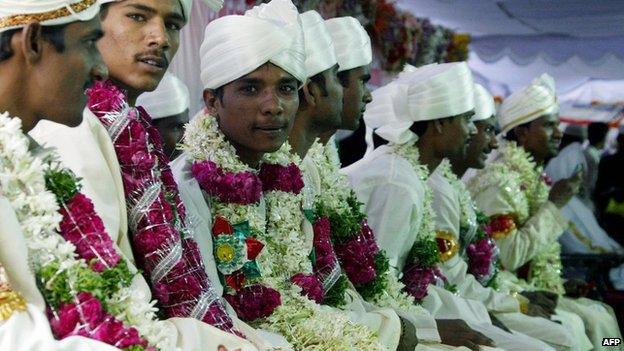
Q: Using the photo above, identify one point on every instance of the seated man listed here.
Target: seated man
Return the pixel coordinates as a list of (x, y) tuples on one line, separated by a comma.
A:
[(525, 208), (62, 280), (410, 114), (241, 179)]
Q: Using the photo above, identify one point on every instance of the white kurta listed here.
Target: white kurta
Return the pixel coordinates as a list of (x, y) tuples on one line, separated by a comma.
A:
[(497, 190), (88, 151), (382, 321), (448, 209), (393, 196)]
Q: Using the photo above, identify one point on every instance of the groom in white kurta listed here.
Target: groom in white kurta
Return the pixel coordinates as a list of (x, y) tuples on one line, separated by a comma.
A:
[(512, 186), (394, 192)]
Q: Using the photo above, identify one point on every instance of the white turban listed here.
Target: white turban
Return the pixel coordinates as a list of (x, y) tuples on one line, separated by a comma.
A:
[(484, 104), (18, 13), (169, 99), (319, 48), (529, 104), (236, 45), (352, 43), (426, 93), (187, 5)]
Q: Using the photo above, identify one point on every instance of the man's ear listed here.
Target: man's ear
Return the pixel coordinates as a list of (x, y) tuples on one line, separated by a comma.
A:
[(438, 125), (310, 93), (211, 100), (32, 42), (522, 133)]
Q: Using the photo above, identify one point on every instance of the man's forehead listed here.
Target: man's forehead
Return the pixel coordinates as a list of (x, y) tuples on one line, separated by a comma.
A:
[(162, 7), (260, 73)]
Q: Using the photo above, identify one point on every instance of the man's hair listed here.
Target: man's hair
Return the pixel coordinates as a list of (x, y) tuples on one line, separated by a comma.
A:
[(597, 132), (55, 35), (420, 128), (512, 135)]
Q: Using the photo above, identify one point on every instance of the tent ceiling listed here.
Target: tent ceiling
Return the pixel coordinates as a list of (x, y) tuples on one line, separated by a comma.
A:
[(574, 18)]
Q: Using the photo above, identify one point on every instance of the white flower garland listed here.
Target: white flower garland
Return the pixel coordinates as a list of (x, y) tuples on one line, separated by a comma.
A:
[(22, 182), (527, 192), (277, 221), (335, 189), (409, 152)]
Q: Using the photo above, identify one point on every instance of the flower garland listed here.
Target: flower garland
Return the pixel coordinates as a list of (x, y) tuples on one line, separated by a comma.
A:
[(165, 248), (366, 266), (83, 279), (421, 267), (475, 233), (274, 217), (529, 191)]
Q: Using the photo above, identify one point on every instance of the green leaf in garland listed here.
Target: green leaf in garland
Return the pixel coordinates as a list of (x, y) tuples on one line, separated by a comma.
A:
[(335, 296), (62, 182), (116, 277), (371, 290), (134, 348), (425, 252)]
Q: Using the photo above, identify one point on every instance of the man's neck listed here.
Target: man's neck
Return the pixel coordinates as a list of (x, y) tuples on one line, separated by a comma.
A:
[(13, 100), (132, 94), (459, 169), (324, 137), (538, 160), (303, 134), (428, 155), (251, 159)]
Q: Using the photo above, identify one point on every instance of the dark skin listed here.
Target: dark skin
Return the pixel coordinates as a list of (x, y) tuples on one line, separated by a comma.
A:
[(142, 37), (356, 96), (38, 82), (256, 112), (319, 112), (456, 332), (448, 137), (541, 139), (542, 304), (171, 130), (479, 148)]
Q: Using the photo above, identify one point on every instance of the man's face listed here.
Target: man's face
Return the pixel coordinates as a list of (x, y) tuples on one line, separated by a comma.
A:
[(456, 133), (257, 111), (328, 112), (141, 38), (542, 137), (63, 77), (356, 96), (482, 143), (171, 130)]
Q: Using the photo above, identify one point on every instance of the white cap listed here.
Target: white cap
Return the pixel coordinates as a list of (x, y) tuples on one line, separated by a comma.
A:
[(187, 5), (352, 43), (484, 104), (169, 99), (426, 93), (320, 53), (237, 45), (17, 13), (529, 103)]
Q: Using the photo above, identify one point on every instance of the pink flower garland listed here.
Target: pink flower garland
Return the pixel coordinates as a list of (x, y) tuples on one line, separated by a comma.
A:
[(417, 278), (165, 251), (240, 188), (87, 318), (357, 256)]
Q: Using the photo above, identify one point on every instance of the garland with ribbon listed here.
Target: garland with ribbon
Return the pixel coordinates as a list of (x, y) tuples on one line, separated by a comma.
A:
[(282, 292), (85, 282), (161, 238)]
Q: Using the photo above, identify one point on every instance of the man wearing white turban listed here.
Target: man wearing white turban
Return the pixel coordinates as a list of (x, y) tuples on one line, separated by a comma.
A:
[(475, 265), (168, 106), (141, 37), (425, 115), (37, 41), (519, 199), (251, 103)]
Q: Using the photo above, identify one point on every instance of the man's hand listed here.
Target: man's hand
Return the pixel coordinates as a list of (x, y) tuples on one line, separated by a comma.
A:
[(541, 302), (563, 190), (409, 340), (497, 323), (456, 332)]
